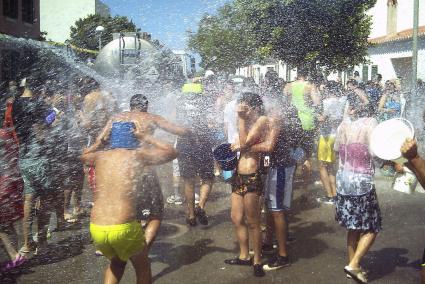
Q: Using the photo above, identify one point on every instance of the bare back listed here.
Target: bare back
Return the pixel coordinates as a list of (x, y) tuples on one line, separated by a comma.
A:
[(117, 175)]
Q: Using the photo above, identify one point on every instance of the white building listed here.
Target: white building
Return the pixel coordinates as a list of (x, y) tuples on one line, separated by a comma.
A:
[(391, 53), (257, 71), (57, 16), (391, 36)]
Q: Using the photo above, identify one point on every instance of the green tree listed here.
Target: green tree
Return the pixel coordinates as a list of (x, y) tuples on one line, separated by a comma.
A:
[(331, 34), (222, 41), (83, 33)]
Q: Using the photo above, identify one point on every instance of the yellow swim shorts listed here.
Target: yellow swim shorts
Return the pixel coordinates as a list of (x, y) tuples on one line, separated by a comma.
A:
[(122, 241), (325, 151)]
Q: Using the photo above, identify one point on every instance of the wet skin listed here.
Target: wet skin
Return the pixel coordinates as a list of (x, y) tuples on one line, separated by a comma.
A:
[(117, 175)]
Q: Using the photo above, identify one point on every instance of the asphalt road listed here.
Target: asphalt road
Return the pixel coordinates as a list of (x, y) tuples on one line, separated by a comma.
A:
[(195, 255)]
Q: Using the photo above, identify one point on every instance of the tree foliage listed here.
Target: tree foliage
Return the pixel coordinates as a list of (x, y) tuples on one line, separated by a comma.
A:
[(83, 33), (222, 41), (304, 33)]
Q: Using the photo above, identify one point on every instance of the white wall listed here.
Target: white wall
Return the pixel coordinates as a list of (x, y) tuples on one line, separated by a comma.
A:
[(57, 17), (389, 58)]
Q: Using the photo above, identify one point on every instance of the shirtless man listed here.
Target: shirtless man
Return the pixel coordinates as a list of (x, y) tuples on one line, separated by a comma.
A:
[(305, 97), (149, 189), (115, 228), (247, 185)]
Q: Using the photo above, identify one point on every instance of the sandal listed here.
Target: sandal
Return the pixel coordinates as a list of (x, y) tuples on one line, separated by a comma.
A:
[(357, 274)]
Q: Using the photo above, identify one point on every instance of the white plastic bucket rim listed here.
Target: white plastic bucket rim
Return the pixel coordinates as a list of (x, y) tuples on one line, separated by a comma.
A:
[(388, 137)]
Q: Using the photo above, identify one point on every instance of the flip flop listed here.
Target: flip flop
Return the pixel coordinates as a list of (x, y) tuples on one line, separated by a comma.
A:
[(357, 274)]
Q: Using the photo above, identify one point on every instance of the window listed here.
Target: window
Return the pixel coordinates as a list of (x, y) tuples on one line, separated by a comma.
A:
[(28, 11), (10, 8), (365, 73), (9, 61), (374, 71)]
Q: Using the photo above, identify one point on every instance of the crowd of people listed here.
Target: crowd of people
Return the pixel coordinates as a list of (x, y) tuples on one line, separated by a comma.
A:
[(53, 139)]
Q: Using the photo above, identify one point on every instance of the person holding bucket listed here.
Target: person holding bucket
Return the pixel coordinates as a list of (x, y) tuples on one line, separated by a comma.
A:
[(247, 185), (357, 207), (409, 150)]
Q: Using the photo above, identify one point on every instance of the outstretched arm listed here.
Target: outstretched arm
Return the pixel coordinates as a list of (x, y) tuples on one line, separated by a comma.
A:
[(161, 152), (170, 127)]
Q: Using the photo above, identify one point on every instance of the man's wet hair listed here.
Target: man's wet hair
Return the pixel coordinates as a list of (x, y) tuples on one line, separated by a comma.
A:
[(139, 102), (253, 100), (302, 73)]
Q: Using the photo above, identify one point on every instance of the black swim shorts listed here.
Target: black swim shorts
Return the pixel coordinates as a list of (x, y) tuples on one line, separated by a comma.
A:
[(150, 201), (195, 157), (243, 184)]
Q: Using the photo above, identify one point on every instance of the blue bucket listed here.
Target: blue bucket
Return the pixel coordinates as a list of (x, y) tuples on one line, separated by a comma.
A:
[(122, 136), (225, 157), (227, 175)]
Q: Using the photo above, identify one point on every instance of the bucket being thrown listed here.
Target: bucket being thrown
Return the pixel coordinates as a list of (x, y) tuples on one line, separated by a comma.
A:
[(388, 137), (225, 157)]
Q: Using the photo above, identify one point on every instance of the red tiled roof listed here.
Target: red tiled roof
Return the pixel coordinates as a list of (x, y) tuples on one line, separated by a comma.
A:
[(406, 34)]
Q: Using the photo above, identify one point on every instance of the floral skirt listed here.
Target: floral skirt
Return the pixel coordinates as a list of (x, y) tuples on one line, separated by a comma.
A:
[(359, 212)]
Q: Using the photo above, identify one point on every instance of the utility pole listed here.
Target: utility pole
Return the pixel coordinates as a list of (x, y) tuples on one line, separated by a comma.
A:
[(415, 43)]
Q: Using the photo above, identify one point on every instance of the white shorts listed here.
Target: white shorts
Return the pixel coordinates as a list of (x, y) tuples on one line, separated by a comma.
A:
[(278, 188)]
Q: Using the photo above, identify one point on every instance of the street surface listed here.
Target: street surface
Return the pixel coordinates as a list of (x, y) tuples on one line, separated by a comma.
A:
[(195, 255)]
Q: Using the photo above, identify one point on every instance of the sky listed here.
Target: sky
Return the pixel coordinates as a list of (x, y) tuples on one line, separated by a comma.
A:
[(166, 20)]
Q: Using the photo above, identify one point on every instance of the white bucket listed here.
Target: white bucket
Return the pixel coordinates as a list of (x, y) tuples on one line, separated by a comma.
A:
[(405, 182), (388, 137)]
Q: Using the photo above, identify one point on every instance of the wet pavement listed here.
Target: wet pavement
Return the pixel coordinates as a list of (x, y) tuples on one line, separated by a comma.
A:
[(195, 255)]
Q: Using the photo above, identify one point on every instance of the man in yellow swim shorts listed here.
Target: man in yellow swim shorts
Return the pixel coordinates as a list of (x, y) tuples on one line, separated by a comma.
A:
[(114, 225), (331, 117)]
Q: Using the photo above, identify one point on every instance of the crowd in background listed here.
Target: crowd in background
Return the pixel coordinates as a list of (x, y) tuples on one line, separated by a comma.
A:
[(46, 126)]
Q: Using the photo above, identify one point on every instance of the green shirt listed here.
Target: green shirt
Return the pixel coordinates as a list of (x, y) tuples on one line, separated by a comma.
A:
[(305, 113)]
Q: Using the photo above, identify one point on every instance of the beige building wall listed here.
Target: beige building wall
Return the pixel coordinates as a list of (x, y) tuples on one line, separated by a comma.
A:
[(57, 16)]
